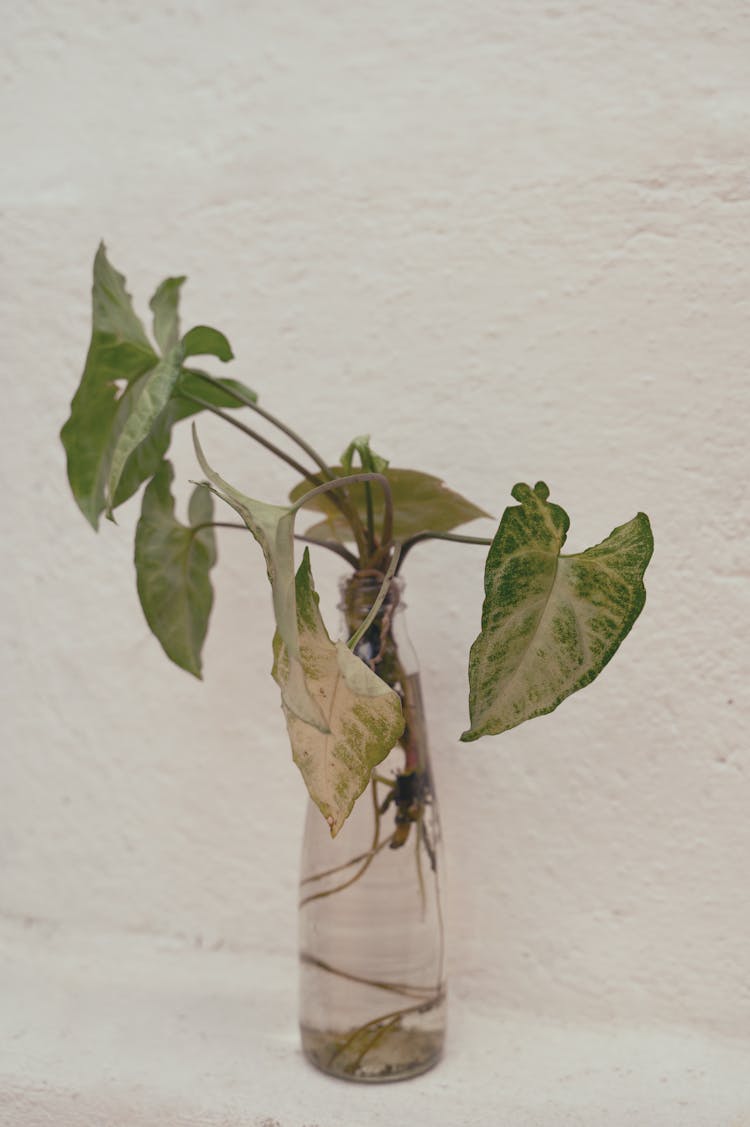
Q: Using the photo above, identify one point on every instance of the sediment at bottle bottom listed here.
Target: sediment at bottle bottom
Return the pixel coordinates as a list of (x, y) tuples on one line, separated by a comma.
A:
[(373, 1056)]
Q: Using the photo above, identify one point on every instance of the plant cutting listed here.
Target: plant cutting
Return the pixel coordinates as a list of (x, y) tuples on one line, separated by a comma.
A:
[(371, 931)]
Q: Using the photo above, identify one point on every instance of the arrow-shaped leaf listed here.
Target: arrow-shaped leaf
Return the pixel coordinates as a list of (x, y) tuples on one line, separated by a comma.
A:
[(173, 562), (128, 398), (119, 353), (273, 528), (421, 502), (148, 400), (550, 623), (364, 717)]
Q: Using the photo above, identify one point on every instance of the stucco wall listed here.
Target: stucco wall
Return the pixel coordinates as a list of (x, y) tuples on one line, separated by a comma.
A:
[(510, 241)]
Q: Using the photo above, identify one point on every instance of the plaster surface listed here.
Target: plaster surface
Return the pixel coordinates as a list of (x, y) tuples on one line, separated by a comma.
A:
[(510, 241)]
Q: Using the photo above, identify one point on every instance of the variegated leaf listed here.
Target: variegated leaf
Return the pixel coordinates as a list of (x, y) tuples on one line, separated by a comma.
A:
[(128, 399), (363, 715), (550, 623), (273, 528)]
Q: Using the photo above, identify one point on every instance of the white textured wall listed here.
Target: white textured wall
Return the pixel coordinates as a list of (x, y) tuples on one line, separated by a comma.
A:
[(510, 240)]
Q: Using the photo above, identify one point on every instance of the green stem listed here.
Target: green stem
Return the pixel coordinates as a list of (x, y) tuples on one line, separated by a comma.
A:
[(365, 626)]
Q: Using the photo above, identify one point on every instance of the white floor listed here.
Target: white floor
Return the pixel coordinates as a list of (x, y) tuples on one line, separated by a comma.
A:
[(141, 1032)]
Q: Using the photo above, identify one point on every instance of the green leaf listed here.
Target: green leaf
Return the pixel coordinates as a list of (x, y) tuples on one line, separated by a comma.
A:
[(204, 341), (145, 460), (368, 459), (119, 353), (421, 503), (173, 562), (191, 383), (128, 399), (273, 528), (113, 315), (147, 403), (550, 623), (164, 305), (363, 715)]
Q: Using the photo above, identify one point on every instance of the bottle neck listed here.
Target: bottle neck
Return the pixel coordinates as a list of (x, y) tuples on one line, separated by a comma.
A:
[(386, 648), (386, 636)]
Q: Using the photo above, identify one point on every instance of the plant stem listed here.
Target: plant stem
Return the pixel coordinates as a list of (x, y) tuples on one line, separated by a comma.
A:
[(454, 537), (344, 504), (365, 626), (341, 503), (331, 545), (352, 479), (290, 461), (370, 516), (217, 524), (278, 423)]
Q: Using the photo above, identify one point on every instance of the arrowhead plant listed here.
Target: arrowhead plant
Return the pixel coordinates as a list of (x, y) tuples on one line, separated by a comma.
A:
[(550, 622)]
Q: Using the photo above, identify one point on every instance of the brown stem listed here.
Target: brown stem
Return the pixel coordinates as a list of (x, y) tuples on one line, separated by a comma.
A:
[(453, 537), (290, 461), (346, 507), (332, 546), (352, 479), (338, 501)]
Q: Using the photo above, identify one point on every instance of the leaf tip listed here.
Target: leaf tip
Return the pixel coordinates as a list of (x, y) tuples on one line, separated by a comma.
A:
[(469, 736), (643, 520), (522, 492)]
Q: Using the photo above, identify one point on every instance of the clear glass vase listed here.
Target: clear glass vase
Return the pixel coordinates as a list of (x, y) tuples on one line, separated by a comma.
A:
[(372, 990)]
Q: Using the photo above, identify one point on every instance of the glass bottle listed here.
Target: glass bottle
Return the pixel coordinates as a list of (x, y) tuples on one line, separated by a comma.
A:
[(372, 990)]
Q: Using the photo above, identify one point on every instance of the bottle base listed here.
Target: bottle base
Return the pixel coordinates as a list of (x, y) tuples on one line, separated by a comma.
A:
[(373, 1055)]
